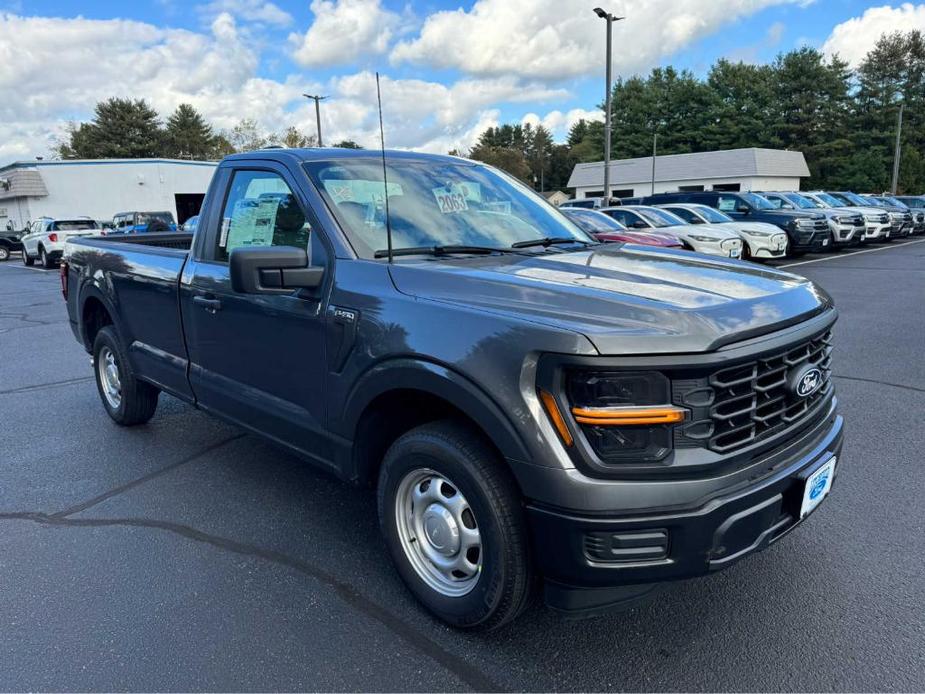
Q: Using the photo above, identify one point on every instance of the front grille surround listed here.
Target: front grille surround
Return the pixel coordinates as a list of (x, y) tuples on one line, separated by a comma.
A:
[(746, 403)]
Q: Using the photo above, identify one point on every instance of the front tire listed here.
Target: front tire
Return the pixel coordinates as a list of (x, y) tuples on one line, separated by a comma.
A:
[(453, 521), (126, 399)]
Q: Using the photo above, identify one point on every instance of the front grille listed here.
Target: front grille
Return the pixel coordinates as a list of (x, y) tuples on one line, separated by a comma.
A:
[(751, 401)]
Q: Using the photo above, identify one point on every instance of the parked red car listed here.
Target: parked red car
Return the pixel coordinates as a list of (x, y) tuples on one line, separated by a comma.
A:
[(606, 228)]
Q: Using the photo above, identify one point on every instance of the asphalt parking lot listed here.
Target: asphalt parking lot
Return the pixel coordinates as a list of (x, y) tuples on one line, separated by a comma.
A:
[(185, 555)]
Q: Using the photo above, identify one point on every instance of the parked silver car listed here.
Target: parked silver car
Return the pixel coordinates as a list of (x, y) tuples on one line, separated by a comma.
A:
[(877, 220), (847, 227)]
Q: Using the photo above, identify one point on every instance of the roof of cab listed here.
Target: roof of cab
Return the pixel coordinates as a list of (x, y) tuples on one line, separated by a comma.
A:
[(293, 155)]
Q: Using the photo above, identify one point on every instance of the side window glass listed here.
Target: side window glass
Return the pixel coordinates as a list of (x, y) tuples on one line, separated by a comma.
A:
[(684, 214), (726, 204), (260, 210)]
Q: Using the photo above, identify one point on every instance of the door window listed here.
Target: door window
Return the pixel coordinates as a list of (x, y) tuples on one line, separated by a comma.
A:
[(727, 203), (685, 214), (260, 211)]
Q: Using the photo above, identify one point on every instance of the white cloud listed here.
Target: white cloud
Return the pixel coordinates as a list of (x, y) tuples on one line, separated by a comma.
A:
[(259, 12), (344, 30), (852, 39), (558, 39), (559, 123), (54, 70)]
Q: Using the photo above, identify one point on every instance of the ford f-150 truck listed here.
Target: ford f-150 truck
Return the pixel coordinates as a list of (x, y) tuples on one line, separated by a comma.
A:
[(529, 403)]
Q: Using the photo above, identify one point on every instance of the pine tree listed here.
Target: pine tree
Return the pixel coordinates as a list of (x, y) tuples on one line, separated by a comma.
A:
[(188, 136)]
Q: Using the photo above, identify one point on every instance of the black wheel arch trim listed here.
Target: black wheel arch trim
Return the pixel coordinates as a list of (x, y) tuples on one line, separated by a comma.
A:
[(92, 290), (438, 380)]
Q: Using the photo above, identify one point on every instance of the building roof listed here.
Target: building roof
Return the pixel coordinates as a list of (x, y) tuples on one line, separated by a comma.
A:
[(728, 163), (18, 183), (38, 163)]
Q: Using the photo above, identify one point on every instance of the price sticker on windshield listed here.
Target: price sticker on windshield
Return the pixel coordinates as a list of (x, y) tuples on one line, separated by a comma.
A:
[(451, 199)]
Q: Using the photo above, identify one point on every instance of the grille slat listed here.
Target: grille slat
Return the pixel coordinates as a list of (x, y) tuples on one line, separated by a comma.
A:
[(751, 401)]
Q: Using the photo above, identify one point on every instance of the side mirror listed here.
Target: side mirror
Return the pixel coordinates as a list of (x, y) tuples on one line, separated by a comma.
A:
[(742, 208), (697, 220), (272, 270), (639, 224)]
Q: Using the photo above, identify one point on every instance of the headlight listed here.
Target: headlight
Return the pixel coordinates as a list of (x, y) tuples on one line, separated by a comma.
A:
[(759, 234), (625, 417), (805, 223), (703, 239)]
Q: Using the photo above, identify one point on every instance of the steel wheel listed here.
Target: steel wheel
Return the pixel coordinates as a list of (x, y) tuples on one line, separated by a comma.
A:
[(438, 532), (4, 253), (109, 377)]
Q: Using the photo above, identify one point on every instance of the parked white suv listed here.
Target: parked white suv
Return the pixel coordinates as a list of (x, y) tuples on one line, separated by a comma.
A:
[(760, 239), (44, 241)]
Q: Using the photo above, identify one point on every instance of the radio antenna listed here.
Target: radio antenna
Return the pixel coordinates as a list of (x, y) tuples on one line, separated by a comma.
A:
[(385, 176)]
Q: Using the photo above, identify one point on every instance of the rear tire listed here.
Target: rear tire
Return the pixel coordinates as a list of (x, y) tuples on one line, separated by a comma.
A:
[(26, 260), (47, 261), (444, 493), (4, 254), (126, 399)]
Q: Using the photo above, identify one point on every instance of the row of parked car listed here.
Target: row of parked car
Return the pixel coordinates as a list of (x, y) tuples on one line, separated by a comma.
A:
[(43, 239), (751, 225)]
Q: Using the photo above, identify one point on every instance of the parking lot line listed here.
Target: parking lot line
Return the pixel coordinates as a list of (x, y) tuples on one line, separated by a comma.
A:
[(853, 253)]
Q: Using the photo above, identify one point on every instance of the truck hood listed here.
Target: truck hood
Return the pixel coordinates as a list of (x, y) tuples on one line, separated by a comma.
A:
[(624, 299)]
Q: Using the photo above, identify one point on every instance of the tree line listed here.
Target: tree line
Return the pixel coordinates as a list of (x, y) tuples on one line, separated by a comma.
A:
[(843, 120), (131, 129)]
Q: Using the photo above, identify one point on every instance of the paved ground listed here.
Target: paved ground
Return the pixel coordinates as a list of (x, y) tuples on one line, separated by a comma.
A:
[(184, 555)]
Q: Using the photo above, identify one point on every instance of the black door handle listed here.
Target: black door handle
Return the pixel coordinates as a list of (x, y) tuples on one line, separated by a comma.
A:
[(210, 305)]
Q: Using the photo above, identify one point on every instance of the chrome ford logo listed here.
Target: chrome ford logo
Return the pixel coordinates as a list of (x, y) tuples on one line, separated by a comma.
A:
[(805, 381)]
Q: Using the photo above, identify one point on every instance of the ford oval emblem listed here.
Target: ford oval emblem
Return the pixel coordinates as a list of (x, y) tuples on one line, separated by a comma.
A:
[(806, 381)]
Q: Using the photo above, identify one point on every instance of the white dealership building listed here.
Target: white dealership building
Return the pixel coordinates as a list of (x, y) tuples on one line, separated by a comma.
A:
[(101, 188), (729, 170)]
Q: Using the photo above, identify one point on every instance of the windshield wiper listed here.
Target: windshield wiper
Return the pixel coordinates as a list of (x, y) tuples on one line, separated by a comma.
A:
[(438, 250), (548, 241)]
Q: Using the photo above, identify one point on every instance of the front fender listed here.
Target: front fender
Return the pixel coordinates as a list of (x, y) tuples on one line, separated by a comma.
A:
[(442, 382)]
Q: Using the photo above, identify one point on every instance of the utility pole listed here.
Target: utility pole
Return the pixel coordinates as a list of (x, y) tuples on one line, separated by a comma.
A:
[(610, 19), (897, 154), (317, 99), (654, 150)]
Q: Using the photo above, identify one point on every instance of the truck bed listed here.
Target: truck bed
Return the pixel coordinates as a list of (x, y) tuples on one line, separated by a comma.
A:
[(138, 274)]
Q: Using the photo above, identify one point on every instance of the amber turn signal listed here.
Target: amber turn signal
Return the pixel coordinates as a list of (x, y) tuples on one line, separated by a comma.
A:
[(628, 416), (552, 409)]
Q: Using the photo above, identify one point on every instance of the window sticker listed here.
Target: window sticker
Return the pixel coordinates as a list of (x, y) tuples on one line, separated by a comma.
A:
[(358, 190), (451, 198), (727, 205), (253, 222)]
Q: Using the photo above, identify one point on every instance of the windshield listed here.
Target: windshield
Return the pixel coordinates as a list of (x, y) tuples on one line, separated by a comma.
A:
[(73, 225), (756, 201), (592, 221), (148, 217), (660, 218), (872, 202), (829, 200), (435, 203), (799, 201), (713, 216), (852, 199), (894, 201)]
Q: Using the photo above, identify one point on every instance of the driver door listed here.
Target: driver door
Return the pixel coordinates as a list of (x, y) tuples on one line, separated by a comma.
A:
[(258, 359)]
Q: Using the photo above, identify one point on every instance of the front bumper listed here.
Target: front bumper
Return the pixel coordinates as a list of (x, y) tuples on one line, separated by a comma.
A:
[(877, 231), (725, 249), (595, 562), (845, 234), (808, 241), (772, 247)]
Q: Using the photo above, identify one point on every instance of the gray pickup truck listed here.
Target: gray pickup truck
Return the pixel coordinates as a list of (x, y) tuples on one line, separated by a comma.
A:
[(534, 408)]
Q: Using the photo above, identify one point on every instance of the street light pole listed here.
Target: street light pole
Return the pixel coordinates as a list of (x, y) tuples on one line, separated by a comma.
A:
[(610, 19), (317, 113)]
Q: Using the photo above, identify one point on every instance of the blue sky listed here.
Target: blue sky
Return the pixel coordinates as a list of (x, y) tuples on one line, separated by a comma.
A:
[(450, 69)]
